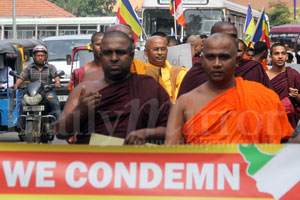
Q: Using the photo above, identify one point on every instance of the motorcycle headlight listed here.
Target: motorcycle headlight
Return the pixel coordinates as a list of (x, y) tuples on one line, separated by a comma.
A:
[(33, 100)]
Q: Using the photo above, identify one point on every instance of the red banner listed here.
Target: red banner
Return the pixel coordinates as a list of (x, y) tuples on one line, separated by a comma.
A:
[(213, 172)]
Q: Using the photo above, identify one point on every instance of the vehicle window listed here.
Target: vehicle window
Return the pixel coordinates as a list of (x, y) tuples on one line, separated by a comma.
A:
[(82, 57), (158, 20), (200, 21), (59, 49)]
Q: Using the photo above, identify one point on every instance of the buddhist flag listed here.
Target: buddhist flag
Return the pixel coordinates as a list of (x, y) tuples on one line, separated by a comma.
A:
[(177, 11), (261, 32), (249, 26), (126, 15)]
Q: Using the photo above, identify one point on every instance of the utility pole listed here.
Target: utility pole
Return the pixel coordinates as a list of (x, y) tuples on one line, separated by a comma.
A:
[(14, 21)]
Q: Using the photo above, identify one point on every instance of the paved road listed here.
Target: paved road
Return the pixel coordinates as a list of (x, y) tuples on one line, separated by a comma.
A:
[(13, 137)]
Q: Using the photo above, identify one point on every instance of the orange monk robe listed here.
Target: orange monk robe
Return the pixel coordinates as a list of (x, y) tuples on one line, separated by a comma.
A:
[(264, 63), (170, 77), (246, 113), (246, 57), (138, 67)]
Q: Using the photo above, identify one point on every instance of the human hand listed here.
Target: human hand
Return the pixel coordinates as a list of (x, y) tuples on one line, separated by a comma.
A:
[(137, 137), (87, 101), (57, 85), (293, 92)]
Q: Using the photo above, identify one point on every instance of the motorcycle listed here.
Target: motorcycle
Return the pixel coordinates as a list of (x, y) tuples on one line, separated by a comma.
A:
[(39, 125)]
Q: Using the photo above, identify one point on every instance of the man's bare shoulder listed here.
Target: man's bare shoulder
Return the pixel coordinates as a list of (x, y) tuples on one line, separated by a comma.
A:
[(187, 98), (91, 86), (93, 75), (200, 90)]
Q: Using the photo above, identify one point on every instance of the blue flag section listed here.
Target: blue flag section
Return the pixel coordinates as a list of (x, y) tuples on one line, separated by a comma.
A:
[(295, 11)]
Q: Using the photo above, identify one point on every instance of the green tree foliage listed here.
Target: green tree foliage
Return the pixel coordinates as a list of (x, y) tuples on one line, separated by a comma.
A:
[(279, 14), (87, 8)]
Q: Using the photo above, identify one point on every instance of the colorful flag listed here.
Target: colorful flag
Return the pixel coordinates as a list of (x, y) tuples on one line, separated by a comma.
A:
[(249, 26), (178, 14), (126, 15), (261, 32), (249, 23)]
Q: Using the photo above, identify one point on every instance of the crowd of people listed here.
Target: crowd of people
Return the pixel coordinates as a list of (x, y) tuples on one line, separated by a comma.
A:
[(228, 96)]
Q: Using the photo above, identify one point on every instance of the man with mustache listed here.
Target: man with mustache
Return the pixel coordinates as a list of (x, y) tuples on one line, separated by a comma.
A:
[(248, 69), (285, 82), (157, 66), (122, 104), (226, 109), (137, 66)]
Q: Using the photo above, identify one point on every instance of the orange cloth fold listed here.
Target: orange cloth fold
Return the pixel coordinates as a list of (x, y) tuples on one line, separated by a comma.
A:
[(264, 63), (137, 66), (246, 113)]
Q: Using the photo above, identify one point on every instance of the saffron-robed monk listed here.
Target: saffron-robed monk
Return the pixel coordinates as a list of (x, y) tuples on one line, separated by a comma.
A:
[(247, 69), (226, 109)]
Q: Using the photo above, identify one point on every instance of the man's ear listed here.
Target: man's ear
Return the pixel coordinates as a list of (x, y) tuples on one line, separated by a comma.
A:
[(146, 52)]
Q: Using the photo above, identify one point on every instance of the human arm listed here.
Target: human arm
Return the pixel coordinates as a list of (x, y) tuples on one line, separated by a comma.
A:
[(23, 76), (175, 125), (295, 138), (10, 79), (57, 81), (18, 83), (294, 93), (140, 136), (80, 103)]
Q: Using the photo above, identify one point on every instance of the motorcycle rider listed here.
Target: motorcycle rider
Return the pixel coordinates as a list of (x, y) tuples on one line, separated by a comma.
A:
[(42, 71)]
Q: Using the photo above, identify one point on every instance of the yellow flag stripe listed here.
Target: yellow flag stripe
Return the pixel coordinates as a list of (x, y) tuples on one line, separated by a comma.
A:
[(126, 15)]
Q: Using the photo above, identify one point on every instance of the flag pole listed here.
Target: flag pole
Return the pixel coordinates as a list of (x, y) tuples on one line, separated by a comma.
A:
[(144, 32), (175, 27)]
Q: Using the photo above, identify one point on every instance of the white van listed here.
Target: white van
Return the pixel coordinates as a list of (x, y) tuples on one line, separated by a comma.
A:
[(61, 46), (58, 49)]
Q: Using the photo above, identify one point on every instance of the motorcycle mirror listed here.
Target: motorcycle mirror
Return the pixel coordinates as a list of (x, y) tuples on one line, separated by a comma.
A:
[(14, 73), (59, 73), (68, 59)]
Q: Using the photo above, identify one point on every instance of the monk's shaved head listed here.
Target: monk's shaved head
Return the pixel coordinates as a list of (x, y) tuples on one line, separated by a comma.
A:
[(154, 39), (123, 28), (117, 34), (216, 37), (156, 50), (219, 60), (224, 27), (192, 39)]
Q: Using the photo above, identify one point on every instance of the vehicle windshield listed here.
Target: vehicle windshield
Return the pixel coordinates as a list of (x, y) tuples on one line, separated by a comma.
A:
[(82, 57), (198, 21), (59, 49), (158, 20)]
